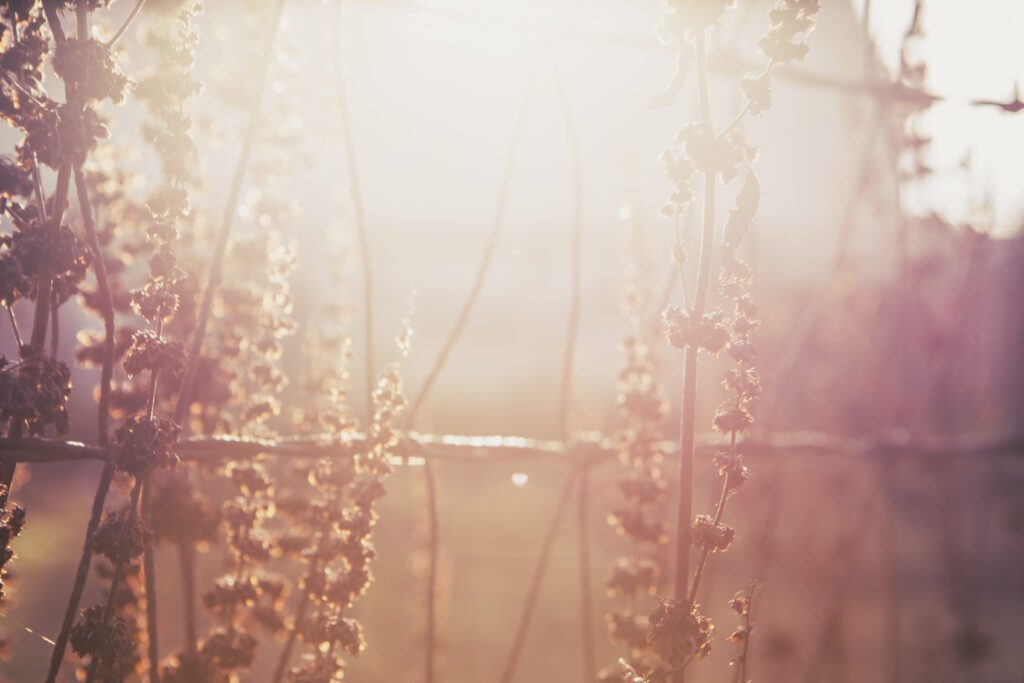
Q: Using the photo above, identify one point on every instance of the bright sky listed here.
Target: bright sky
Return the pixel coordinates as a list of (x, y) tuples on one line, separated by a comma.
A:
[(974, 51)]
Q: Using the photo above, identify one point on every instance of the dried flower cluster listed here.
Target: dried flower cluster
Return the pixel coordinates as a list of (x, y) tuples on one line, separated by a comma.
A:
[(638, 517), (335, 540), (677, 631)]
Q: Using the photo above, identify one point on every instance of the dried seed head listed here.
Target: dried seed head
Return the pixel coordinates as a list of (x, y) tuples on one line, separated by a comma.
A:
[(142, 444), (678, 631), (109, 639), (121, 537)]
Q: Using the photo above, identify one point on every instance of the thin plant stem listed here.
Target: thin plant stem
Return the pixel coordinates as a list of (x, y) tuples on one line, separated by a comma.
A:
[(45, 286), (148, 559), (568, 358), (115, 581), (742, 670), (149, 574), (586, 608), (14, 326), (434, 543), (719, 512), (533, 593), (362, 234), (82, 14), (483, 269), (429, 478), (54, 324), (81, 575), (186, 558), (687, 440), (126, 23), (746, 109), (215, 272), (688, 408), (102, 419), (53, 20), (575, 248), (289, 643)]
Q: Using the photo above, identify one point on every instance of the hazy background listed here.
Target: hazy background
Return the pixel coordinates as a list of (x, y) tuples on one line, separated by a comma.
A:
[(921, 558)]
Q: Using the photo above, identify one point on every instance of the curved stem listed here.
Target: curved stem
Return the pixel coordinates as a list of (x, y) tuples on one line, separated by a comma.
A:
[(357, 203), (442, 359), (533, 594), (485, 261), (214, 274), (127, 22)]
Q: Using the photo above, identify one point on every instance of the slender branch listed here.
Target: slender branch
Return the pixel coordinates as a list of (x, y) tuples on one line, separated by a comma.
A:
[(576, 244), (738, 119), (568, 357), (442, 359), (533, 593), (14, 326), (289, 643), (687, 436), (743, 663), (586, 608), (54, 324), (149, 574), (357, 203), (115, 581), (126, 23), (45, 286), (53, 19), (485, 262), (186, 558), (214, 274), (434, 544), (148, 559), (102, 419), (82, 575), (688, 402), (82, 14), (705, 551)]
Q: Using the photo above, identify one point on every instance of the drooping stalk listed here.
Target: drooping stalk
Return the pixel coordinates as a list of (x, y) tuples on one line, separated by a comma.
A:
[(533, 593), (442, 360), (356, 195), (126, 23)]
